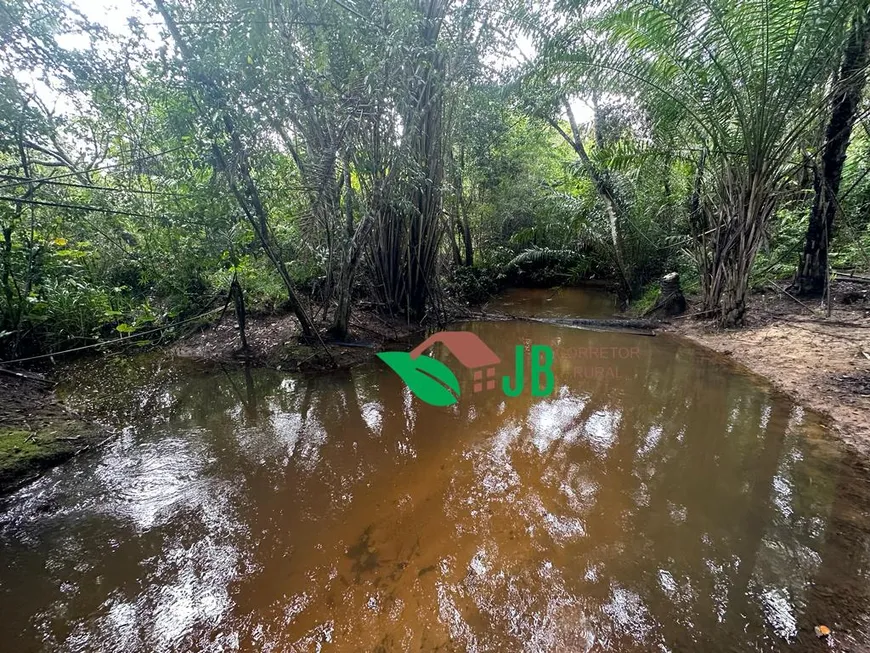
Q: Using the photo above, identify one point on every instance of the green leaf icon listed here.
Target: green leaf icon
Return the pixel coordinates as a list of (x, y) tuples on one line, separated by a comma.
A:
[(430, 380)]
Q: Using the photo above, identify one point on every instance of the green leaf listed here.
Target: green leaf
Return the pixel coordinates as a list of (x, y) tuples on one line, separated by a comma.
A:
[(429, 379), (125, 328), (71, 253)]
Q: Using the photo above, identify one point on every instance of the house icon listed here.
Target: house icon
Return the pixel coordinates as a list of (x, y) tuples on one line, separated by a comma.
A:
[(470, 351)]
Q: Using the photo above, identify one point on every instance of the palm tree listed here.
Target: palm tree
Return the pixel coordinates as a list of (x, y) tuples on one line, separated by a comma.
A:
[(744, 82)]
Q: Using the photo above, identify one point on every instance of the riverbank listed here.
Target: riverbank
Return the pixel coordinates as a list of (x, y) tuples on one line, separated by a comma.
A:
[(823, 363), (274, 342), (37, 431)]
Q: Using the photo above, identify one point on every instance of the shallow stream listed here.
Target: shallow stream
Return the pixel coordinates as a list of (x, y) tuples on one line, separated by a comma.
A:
[(658, 500)]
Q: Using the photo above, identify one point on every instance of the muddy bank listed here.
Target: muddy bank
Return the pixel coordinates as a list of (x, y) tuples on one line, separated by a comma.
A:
[(37, 431), (274, 342), (824, 363)]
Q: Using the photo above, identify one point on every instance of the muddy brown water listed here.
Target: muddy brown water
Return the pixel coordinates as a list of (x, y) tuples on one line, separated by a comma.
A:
[(668, 503), (563, 302)]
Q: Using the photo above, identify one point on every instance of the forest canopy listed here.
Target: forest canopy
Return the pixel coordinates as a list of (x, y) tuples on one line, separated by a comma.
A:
[(409, 155)]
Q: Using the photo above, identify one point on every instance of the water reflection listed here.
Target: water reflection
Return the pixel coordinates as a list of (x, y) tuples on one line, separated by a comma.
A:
[(671, 505), (556, 302)]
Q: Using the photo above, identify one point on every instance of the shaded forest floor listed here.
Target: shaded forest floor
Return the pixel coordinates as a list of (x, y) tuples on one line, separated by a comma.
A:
[(823, 363)]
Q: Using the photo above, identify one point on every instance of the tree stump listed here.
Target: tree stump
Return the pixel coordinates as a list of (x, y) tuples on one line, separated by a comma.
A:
[(671, 301)]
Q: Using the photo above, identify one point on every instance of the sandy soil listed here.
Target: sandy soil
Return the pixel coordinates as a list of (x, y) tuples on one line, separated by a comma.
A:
[(823, 363)]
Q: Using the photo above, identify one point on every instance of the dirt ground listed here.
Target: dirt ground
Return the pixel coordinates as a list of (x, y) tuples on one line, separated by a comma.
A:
[(274, 342), (822, 362)]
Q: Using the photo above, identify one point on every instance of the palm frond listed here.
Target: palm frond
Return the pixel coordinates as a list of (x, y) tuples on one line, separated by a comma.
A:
[(542, 256)]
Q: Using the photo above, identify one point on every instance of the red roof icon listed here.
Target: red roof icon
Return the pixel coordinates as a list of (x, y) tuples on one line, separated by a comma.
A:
[(469, 350)]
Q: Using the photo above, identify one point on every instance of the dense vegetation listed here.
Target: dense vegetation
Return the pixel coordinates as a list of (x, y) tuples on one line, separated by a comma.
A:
[(406, 154)]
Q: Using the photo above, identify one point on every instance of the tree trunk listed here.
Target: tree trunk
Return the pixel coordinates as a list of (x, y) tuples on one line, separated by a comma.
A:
[(605, 192), (812, 269), (463, 213), (341, 321), (10, 316), (671, 299), (241, 314), (453, 214), (466, 238), (247, 193), (428, 103), (733, 219), (454, 246)]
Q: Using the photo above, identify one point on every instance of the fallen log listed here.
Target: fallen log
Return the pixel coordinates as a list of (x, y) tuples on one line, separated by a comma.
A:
[(852, 278), (639, 327), (849, 275), (619, 325), (25, 375)]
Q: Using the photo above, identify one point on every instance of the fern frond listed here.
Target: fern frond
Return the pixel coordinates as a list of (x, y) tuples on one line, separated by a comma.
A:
[(543, 256)]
